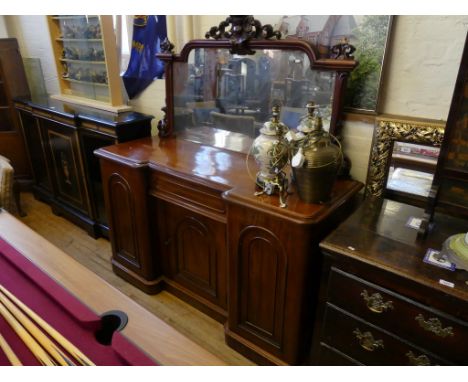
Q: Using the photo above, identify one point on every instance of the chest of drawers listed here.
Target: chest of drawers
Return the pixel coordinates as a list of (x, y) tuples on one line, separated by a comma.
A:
[(380, 304)]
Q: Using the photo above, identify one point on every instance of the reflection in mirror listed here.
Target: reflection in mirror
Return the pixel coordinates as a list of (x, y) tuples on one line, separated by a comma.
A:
[(235, 94), (411, 172)]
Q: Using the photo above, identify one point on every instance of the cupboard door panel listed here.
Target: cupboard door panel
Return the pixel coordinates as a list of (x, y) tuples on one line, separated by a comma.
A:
[(196, 247), (262, 275)]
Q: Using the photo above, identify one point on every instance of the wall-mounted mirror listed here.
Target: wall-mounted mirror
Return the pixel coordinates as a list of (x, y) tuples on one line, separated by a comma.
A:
[(411, 171), (231, 93), (404, 158)]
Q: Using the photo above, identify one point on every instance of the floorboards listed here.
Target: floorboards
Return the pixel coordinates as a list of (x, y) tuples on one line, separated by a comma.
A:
[(96, 254)]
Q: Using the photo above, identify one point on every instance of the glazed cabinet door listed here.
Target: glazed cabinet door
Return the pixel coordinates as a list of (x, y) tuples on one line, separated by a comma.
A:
[(194, 252), (65, 163)]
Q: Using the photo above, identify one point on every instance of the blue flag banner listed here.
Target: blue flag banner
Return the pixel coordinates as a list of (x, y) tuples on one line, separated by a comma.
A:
[(148, 34)]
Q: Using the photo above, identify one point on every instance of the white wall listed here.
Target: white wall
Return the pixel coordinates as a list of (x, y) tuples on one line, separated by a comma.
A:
[(32, 33), (3, 30), (422, 64)]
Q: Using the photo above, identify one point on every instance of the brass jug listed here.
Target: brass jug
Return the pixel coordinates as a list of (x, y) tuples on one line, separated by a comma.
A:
[(316, 160)]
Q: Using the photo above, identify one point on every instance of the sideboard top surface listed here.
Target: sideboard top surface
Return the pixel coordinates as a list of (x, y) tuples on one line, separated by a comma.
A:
[(224, 170)]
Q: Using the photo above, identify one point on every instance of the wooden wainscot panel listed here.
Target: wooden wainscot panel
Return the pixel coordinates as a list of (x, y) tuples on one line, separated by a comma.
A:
[(193, 195)]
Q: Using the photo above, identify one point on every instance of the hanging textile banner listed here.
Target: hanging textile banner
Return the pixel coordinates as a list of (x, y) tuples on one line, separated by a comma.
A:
[(148, 34)]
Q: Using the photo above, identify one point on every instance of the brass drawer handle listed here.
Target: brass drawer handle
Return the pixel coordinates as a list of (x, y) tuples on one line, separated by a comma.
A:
[(422, 360), (375, 302), (367, 341), (435, 326)]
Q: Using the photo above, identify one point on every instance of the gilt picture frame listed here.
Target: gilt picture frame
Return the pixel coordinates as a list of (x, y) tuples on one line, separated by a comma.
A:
[(370, 34)]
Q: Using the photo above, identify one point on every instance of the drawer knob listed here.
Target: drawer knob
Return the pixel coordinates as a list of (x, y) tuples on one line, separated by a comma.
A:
[(435, 326), (367, 341), (375, 302), (422, 360)]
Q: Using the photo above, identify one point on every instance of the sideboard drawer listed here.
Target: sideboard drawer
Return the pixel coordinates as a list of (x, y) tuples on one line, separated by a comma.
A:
[(189, 194), (406, 318), (369, 344)]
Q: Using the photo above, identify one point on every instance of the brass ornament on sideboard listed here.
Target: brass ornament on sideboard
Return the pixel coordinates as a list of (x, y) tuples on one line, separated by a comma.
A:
[(270, 150), (316, 159), (389, 130)]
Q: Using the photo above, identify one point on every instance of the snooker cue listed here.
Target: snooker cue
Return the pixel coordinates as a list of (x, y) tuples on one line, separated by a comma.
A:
[(10, 354), (32, 345), (61, 340), (40, 337)]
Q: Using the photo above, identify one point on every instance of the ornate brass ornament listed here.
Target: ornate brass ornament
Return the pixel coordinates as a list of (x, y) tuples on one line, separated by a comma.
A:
[(435, 326), (367, 341), (343, 51), (243, 28), (421, 360), (375, 302), (388, 131)]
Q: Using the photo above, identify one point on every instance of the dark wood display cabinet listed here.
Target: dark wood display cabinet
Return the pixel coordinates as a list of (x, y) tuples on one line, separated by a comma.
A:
[(61, 138), (182, 211), (13, 83), (380, 303)]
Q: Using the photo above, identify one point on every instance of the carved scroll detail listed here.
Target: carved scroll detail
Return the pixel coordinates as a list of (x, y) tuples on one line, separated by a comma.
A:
[(243, 29), (167, 46), (343, 51), (388, 131)]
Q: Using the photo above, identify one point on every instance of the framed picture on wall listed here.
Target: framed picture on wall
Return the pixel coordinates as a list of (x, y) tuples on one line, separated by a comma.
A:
[(369, 34)]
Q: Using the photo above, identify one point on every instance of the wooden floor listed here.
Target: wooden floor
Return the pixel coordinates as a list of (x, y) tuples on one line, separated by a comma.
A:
[(96, 254)]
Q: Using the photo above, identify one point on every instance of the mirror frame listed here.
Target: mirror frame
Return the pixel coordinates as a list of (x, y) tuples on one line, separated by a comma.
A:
[(342, 65), (389, 129)]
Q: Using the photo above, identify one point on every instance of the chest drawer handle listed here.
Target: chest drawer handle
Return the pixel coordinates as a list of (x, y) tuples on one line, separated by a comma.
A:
[(422, 360), (435, 326), (367, 341), (375, 302)]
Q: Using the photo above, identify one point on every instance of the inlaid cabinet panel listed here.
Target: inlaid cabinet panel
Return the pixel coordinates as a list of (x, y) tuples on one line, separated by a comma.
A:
[(63, 151)]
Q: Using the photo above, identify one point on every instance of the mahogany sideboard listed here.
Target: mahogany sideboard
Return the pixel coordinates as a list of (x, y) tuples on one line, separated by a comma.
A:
[(183, 217), (380, 303), (60, 138)]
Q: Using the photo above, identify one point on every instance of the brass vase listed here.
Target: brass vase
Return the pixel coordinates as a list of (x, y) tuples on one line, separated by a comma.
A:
[(316, 160)]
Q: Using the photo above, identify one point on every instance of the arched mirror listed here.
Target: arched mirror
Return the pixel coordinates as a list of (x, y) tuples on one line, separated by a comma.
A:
[(221, 90)]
